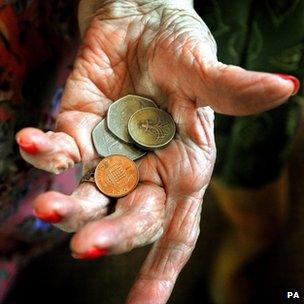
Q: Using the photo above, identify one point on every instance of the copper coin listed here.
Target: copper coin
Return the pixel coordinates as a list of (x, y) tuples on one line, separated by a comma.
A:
[(116, 175)]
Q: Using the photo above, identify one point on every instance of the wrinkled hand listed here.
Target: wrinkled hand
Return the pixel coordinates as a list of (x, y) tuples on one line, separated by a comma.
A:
[(164, 52)]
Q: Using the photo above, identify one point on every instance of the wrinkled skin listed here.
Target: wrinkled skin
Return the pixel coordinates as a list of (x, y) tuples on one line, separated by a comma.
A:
[(164, 52)]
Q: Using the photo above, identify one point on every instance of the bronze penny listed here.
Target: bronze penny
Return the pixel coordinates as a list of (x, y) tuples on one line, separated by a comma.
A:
[(116, 175)]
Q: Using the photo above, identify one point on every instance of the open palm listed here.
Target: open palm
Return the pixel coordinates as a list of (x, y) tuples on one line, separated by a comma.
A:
[(166, 53)]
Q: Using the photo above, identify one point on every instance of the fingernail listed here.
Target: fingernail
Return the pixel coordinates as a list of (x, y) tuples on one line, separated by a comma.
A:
[(30, 148), (293, 79), (52, 217), (91, 254)]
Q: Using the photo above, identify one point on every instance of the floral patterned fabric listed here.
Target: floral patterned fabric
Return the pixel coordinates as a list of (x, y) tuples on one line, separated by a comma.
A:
[(36, 42)]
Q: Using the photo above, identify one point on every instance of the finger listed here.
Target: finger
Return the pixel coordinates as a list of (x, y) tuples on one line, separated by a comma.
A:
[(80, 126), (137, 221), (196, 73), (58, 151), (235, 91), (168, 256), (70, 213), (50, 151)]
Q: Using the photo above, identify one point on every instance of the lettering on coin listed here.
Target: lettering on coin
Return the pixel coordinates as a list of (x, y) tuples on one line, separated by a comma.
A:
[(111, 144)]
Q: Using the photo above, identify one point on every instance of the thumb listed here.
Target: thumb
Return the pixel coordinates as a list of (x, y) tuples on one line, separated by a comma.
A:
[(236, 91)]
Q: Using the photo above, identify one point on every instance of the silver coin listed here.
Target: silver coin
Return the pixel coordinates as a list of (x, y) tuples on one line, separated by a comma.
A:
[(107, 144), (120, 112)]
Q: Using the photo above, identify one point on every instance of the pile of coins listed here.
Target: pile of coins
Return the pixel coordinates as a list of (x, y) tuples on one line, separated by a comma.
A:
[(133, 124)]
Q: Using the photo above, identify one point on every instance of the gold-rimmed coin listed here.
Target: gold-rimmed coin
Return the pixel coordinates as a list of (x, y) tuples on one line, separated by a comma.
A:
[(116, 175), (120, 112), (151, 128)]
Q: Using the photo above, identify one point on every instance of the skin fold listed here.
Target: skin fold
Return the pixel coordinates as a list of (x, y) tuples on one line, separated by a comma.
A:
[(164, 51)]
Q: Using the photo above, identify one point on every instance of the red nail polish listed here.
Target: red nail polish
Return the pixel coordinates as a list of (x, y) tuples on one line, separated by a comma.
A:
[(52, 217), (92, 253), (30, 148), (295, 81)]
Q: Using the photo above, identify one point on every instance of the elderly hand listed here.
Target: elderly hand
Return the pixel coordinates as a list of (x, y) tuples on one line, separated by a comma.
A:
[(162, 50)]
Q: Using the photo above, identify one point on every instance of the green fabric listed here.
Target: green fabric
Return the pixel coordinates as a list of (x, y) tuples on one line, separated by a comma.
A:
[(262, 36)]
